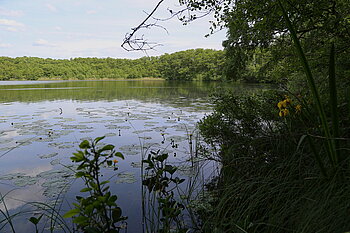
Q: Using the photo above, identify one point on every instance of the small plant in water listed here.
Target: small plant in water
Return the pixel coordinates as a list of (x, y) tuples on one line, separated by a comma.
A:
[(161, 182), (98, 212)]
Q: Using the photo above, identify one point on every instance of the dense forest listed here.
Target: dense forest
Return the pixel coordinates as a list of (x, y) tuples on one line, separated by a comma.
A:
[(194, 64)]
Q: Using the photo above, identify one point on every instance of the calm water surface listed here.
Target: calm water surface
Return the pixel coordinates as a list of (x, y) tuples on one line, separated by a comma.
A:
[(42, 124)]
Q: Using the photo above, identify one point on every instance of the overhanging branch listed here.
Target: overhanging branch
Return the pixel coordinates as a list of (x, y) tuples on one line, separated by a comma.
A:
[(132, 43)]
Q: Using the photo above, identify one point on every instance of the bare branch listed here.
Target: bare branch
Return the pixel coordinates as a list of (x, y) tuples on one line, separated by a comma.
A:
[(132, 43)]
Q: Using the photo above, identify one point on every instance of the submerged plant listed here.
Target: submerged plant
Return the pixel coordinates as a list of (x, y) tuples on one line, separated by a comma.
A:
[(98, 212)]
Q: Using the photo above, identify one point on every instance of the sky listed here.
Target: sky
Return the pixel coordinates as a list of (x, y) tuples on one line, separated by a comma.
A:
[(63, 29)]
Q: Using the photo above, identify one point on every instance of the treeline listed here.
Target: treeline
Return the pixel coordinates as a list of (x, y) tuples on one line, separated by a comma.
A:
[(194, 64)]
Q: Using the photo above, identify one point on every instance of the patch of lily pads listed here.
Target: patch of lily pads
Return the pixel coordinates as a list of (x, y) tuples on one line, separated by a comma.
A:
[(20, 179)]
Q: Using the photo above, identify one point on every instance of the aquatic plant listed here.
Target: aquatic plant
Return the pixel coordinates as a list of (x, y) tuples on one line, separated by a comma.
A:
[(98, 211), (161, 182)]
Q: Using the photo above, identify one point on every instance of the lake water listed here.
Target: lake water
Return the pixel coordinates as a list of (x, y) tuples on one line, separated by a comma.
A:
[(42, 124)]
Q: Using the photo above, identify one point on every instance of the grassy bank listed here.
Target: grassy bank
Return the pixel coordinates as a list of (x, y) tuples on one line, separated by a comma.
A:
[(284, 155)]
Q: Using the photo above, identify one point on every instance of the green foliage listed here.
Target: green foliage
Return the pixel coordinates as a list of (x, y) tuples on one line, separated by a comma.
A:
[(199, 64), (32, 68), (193, 64), (98, 212), (161, 182), (259, 26), (272, 179)]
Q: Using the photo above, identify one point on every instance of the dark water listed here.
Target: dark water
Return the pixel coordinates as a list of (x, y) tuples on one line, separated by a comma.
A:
[(42, 124)]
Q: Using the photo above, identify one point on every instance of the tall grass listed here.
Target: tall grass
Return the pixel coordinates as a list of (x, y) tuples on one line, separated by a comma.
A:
[(332, 143)]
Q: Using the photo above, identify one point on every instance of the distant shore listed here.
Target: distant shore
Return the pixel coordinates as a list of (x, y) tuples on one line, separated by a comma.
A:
[(92, 79)]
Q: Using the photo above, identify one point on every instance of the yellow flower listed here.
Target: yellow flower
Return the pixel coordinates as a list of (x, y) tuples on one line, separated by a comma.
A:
[(298, 108), (283, 113), (115, 161), (282, 104), (279, 105), (288, 101)]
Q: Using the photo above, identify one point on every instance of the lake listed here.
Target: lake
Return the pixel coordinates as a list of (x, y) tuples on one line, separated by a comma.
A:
[(43, 122)]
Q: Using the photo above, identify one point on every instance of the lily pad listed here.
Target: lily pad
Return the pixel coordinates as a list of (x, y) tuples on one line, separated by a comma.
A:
[(126, 178), (5, 140), (55, 162), (46, 156), (146, 138), (177, 138), (110, 134), (136, 164)]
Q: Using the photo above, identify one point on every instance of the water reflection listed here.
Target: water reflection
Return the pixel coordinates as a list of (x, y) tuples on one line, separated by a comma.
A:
[(145, 90), (17, 197), (42, 124)]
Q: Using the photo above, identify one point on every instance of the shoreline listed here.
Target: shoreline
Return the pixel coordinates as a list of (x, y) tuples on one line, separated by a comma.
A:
[(88, 79)]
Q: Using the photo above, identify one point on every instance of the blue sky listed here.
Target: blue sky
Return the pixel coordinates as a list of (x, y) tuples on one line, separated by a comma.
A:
[(92, 28)]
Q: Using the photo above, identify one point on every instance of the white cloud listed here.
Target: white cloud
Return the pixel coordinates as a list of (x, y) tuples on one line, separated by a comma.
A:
[(5, 45), (11, 23), (58, 28), (11, 13), (89, 44), (51, 7), (88, 48), (91, 12), (44, 43), (11, 29)]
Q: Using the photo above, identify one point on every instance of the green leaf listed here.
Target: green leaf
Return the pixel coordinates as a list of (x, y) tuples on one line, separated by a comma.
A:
[(96, 204), (161, 158), (93, 185), (111, 201), (78, 157), (85, 190), (89, 209), (84, 145), (35, 220), (105, 182), (116, 214), (71, 213), (170, 169), (106, 147), (98, 139), (80, 174), (81, 220), (334, 101), (120, 155), (301, 140)]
